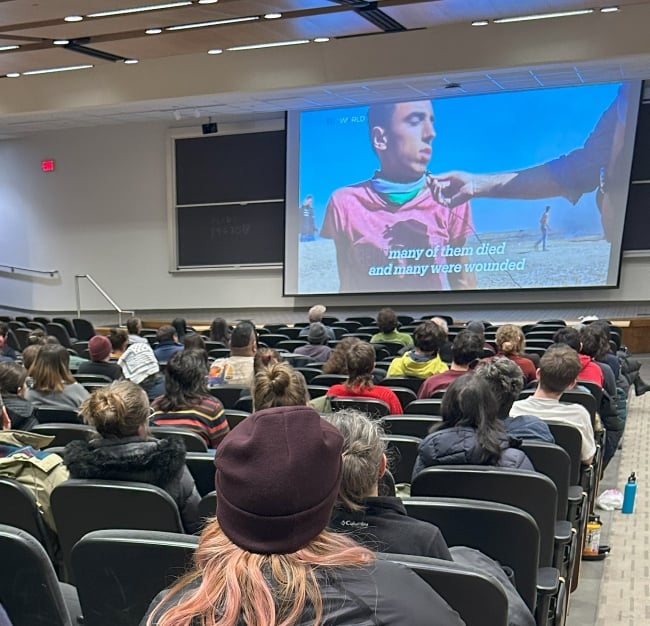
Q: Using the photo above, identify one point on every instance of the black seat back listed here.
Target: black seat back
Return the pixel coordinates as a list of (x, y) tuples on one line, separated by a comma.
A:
[(83, 328), (193, 441), (229, 395), (201, 466), (48, 415), (370, 406), (119, 572), (29, 589), (65, 433), (413, 425), (402, 451)]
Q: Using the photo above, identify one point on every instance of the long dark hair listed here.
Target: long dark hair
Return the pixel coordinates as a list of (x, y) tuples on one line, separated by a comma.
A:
[(220, 331), (185, 380), (469, 402)]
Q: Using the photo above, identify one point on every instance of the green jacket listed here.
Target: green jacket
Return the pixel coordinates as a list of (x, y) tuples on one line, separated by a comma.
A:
[(40, 471), (416, 365), (395, 337)]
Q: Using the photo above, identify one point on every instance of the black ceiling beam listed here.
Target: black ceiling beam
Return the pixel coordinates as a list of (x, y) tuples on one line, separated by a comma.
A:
[(371, 12), (76, 45)]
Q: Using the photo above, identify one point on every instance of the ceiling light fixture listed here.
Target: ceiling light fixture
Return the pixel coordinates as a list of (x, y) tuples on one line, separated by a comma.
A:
[(13, 75), (272, 16), (61, 42), (6, 48), (609, 10), (542, 16), (153, 31), (131, 61), (73, 18), (208, 1), (321, 39), (52, 70), (275, 44), (234, 20), (215, 51), (142, 9), (480, 23)]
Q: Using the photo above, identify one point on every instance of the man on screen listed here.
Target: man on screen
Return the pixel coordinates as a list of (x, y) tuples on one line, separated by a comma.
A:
[(390, 231)]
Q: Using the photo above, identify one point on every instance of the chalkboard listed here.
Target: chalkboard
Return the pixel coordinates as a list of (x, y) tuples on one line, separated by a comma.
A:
[(636, 234), (229, 199)]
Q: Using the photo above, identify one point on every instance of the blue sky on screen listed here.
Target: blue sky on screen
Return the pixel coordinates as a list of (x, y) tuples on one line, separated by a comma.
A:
[(486, 133)]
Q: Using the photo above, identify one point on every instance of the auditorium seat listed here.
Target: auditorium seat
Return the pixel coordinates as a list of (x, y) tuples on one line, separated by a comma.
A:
[(65, 433), (401, 452), (412, 425), (192, 440), (371, 407)]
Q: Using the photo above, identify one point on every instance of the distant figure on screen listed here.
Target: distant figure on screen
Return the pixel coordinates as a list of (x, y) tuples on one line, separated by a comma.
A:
[(389, 230), (544, 228), (307, 225), (596, 165)]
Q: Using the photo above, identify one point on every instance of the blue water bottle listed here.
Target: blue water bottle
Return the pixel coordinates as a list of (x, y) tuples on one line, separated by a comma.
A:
[(630, 494)]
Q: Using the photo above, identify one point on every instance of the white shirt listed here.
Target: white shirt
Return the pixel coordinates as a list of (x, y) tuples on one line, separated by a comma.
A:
[(549, 409)]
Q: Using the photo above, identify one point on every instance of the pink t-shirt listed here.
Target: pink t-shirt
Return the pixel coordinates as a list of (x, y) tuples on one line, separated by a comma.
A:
[(372, 235)]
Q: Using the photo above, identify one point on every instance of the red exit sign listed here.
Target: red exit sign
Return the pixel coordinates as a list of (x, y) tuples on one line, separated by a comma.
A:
[(47, 165)]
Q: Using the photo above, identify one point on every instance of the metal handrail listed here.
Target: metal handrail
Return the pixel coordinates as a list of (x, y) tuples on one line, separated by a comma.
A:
[(110, 300), (28, 270)]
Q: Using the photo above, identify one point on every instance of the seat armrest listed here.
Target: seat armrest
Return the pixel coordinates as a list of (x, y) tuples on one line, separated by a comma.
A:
[(562, 531), (548, 581)]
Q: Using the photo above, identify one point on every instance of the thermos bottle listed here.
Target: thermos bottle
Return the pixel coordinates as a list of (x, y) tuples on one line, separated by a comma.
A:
[(630, 494)]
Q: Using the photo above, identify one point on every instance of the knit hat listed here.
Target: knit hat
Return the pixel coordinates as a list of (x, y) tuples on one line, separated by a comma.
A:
[(99, 347), (278, 476), (138, 362), (317, 334)]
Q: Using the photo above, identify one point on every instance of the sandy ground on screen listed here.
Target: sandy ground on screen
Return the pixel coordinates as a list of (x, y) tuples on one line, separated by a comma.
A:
[(567, 262)]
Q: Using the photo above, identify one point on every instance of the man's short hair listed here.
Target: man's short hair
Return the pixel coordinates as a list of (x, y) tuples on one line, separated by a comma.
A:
[(569, 336), (133, 325), (316, 312), (380, 115), (477, 328), (242, 335), (428, 337), (442, 324), (467, 347), (595, 342), (558, 368), (166, 333), (387, 320)]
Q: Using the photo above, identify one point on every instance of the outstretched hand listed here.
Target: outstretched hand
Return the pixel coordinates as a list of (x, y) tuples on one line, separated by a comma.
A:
[(452, 188), (6, 422)]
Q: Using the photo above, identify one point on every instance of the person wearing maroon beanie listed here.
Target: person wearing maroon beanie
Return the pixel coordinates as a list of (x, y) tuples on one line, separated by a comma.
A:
[(267, 557), (99, 350)]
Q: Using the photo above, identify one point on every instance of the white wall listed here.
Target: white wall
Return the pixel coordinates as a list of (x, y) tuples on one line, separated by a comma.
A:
[(104, 212)]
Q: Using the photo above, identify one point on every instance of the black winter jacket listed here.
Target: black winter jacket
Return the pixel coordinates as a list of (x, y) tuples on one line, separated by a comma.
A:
[(160, 462)]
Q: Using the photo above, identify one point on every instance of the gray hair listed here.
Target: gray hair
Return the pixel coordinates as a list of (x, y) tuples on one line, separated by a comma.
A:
[(363, 449), (316, 312), (505, 378)]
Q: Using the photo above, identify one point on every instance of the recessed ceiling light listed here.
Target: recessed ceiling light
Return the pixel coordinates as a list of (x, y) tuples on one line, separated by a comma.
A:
[(215, 51), (208, 1), (542, 16), (61, 42), (273, 16), (275, 44), (480, 23), (234, 20), (609, 10), (153, 31), (131, 61), (142, 9), (321, 39), (73, 18), (13, 75), (52, 70), (5, 48)]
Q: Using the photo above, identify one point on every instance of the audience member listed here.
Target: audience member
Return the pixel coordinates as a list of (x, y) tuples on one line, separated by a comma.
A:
[(265, 357), (278, 384), (388, 324), (510, 343), (194, 341), (479, 329), (220, 331), (120, 342), (22, 459), (377, 522), (187, 402), (134, 327), (126, 451), (237, 369), (317, 348), (139, 365), (182, 328), (360, 360), (74, 360), (7, 353), (506, 381), (316, 315), (467, 349), (445, 345), (30, 353), (471, 432), (168, 343), (12, 390), (50, 383), (99, 348), (423, 361), (589, 370), (558, 372), (267, 558)]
